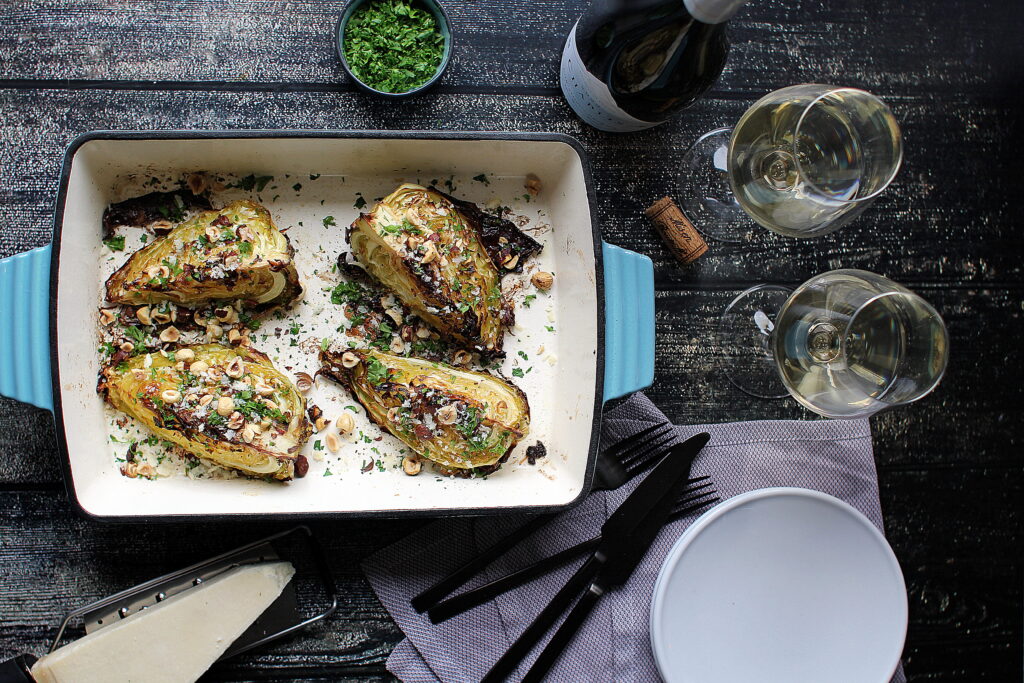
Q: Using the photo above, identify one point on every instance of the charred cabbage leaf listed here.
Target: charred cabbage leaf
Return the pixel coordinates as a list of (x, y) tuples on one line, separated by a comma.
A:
[(458, 418), (431, 253), (233, 253), (152, 207), (227, 404)]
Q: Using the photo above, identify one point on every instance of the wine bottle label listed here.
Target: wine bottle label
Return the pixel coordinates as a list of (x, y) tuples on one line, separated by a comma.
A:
[(590, 98)]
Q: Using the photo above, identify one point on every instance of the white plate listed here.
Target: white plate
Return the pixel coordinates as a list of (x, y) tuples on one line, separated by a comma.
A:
[(779, 584)]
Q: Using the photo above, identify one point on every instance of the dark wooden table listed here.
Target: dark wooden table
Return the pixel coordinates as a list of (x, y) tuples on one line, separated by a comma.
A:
[(950, 227)]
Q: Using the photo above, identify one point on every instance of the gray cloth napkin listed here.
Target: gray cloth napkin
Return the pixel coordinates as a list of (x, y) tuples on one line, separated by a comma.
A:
[(833, 456)]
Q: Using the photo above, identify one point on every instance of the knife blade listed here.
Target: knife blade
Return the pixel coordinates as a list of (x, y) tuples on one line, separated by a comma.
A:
[(622, 559), (656, 488)]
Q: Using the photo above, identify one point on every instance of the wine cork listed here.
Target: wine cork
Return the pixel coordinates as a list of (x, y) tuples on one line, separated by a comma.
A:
[(676, 230)]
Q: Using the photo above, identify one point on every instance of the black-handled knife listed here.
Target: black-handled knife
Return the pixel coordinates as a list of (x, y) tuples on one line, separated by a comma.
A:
[(614, 571), (656, 489)]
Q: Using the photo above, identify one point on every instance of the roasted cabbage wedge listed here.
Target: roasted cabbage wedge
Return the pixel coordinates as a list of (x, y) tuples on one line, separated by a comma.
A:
[(460, 419), (432, 255), (226, 404), (233, 253)]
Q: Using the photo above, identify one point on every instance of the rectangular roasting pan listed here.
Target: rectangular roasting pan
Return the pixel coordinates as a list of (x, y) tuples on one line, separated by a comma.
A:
[(600, 311)]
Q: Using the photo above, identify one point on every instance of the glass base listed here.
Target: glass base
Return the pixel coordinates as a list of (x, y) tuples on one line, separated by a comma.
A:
[(705, 193), (744, 341)]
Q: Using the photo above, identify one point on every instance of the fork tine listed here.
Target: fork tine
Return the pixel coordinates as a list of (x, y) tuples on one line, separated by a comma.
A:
[(677, 513), (650, 450), (637, 441)]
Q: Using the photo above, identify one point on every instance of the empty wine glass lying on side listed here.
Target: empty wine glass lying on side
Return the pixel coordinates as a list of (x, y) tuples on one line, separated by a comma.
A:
[(845, 344), (802, 161)]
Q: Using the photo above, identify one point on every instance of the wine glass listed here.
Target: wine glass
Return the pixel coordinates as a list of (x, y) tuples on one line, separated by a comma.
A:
[(802, 161), (845, 344)]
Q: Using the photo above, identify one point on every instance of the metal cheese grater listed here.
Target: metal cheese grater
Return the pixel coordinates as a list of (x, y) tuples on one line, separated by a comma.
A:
[(309, 597)]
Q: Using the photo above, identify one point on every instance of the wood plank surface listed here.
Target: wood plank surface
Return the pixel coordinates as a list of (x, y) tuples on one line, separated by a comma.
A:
[(950, 473)]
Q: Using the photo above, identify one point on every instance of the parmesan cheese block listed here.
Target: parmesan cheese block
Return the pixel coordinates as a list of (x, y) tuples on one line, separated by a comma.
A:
[(175, 640)]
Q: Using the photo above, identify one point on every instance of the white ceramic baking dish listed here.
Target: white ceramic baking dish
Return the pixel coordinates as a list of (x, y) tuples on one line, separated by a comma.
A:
[(596, 325)]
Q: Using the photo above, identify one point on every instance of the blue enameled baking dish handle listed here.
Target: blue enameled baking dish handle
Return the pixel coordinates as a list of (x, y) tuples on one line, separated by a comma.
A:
[(25, 327), (628, 321)]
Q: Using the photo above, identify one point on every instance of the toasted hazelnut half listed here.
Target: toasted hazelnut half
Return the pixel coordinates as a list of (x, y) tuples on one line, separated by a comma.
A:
[(170, 396), (332, 441), (107, 316), (170, 334), (303, 382), (236, 368), (225, 406), (429, 253), (542, 280), (144, 316), (462, 357), (198, 367), (411, 465), (187, 355), (345, 423), (349, 359), (511, 262), (447, 415)]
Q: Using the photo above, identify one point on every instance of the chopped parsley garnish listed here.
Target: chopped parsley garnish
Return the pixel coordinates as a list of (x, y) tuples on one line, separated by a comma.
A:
[(115, 243), (482, 178), (518, 372), (329, 222), (135, 333), (347, 293), (522, 354), (376, 371), (549, 328), (529, 299), (392, 45), (245, 248), (252, 181), (327, 473), (324, 343), (314, 176), (360, 202), (297, 186)]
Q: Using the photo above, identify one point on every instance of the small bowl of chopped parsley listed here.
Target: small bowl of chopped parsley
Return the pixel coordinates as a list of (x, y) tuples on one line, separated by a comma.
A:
[(394, 48)]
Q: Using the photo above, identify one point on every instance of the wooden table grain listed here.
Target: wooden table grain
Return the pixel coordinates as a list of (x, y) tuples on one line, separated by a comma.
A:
[(951, 226)]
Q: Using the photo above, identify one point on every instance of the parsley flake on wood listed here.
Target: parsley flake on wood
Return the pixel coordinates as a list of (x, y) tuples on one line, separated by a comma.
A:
[(392, 46), (115, 243)]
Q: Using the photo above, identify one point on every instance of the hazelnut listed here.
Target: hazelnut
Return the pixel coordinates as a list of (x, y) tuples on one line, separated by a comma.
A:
[(270, 404), (170, 396), (447, 415), (395, 314), (236, 368), (429, 253), (256, 427), (200, 366), (532, 184), (262, 388), (320, 423), (187, 355), (393, 415), (205, 400), (422, 332), (411, 465), (225, 406), (234, 336), (248, 434), (214, 332), (511, 262), (196, 182), (200, 318), (161, 317), (542, 280), (138, 374), (303, 382), (227, 314), (236, 420), (170, 334), (349, 359), (180, 366), (143, 314), (397, 345), (127, 347), (212, 233), (333, 444), (345, 423), (462, 357), (107, 316)]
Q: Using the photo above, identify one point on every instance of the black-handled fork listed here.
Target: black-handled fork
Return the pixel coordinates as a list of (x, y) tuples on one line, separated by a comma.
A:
[(696, 495), (615, 466)]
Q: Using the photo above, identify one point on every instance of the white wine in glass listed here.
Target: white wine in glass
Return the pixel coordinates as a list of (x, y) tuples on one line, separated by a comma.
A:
[(802, 161), (845, 344)]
